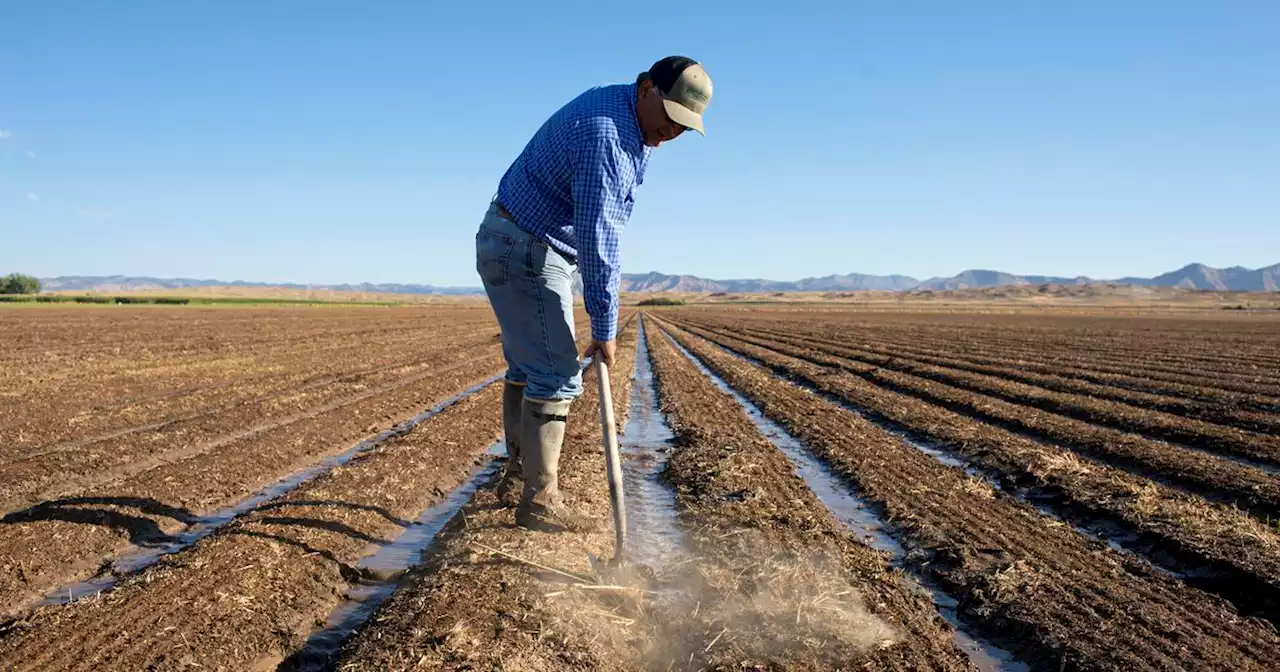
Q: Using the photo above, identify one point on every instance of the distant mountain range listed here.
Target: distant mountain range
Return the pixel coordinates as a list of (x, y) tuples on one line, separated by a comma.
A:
[(1192, 276), (122, 283)]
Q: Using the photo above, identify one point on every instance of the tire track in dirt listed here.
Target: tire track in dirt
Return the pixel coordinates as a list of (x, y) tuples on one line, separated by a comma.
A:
[(1211, 476), (47, 476), (467, 608), (737, 494), (1062, 601), (251, 592), (1190, 433), (1058, 380), (66, 540), (1214, 547)]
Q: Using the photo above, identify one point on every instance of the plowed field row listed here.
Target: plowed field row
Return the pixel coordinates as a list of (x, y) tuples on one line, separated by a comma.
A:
[(1223, 384), (467, 607), (1040, 586), (93, 404), (125, 384), (1042, 350), (153, 335), (1247, 361), (1204, 383), (65, 539), (1234, 385), (1200, 387), (49, 474), (248, 595), (1060, 380), (1162, 426), (211, 425), (729, 605), (1219, 547), (155, 353), (1152, 337), (875, 619), (1214, 477), (129, 416)]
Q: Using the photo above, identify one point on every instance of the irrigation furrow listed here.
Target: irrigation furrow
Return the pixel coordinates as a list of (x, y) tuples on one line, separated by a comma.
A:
[(168, 340), (738, 494), (1042, 358), (68, 539), (102, 407), (251, 591), (383, 572), (1195, 434), (467, 606), (1204, 348), (1059, 599), (1201, 382), (1058, 380), (27, 481), (1214, 477), (1213, 547)]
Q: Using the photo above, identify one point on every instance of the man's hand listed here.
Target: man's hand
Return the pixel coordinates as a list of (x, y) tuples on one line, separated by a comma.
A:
[(604, 350)]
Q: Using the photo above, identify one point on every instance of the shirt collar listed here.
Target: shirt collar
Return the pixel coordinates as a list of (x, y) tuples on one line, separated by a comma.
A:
[(632, 91)]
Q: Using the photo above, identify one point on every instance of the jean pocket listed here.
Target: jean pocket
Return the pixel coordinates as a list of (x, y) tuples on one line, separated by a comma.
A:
[(493, 257)]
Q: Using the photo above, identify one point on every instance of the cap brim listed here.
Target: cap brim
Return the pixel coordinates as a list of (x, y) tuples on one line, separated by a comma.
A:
[(684, 116)]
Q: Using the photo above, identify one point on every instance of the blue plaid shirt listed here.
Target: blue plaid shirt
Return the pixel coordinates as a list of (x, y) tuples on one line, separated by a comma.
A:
[(573, 186)]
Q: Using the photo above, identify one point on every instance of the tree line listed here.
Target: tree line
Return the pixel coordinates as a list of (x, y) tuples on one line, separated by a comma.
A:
[(17, 283)]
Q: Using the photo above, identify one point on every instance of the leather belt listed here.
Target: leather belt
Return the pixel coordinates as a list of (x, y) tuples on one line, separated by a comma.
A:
[(504, 213)]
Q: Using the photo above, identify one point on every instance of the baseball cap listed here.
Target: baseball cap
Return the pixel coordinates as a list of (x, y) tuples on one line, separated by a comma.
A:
[(686, 90)]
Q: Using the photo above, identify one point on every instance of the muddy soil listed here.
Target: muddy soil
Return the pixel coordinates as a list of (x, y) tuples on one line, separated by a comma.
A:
[(737, 495), (473, 605), (1224, 550), (248, 596), (68, 539), (1058, 599), (1215, 477)]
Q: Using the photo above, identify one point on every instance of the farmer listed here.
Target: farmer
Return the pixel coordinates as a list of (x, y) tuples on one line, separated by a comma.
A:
[(560, 209)]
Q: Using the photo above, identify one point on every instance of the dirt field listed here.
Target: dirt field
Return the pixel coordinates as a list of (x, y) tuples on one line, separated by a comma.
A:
[(809, 487)]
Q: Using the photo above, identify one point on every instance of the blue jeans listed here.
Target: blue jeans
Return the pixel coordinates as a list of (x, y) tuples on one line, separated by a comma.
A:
[(530, 286)]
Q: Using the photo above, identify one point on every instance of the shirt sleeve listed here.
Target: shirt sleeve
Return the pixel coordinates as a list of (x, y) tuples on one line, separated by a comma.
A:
[(602, 181)]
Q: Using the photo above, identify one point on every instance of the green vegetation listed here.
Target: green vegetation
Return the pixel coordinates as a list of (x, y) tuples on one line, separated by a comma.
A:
[(661, 301), (181, 300), (17, 283)]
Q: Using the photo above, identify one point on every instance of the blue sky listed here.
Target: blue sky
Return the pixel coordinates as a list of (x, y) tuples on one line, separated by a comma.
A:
[(333, 142)]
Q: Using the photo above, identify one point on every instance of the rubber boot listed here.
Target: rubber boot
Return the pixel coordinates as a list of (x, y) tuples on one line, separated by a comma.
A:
[(541, 436), (511, 483)]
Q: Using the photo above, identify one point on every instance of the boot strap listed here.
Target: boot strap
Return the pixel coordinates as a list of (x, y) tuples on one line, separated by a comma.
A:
[(549, 416)]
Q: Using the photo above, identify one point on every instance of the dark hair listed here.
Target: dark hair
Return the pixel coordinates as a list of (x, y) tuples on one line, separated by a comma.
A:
[(664, 73)]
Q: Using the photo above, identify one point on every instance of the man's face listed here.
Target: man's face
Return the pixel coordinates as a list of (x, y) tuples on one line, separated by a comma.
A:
[(656, 126)]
